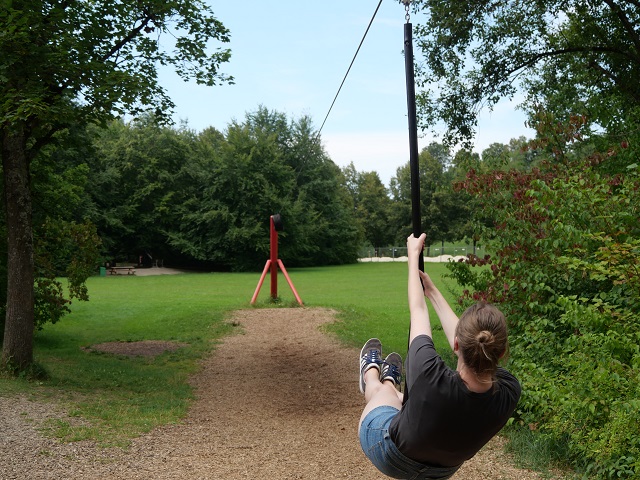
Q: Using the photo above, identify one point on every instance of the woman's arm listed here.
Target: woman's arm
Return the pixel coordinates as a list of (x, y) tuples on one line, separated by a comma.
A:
[(448, 318), (418, 311)]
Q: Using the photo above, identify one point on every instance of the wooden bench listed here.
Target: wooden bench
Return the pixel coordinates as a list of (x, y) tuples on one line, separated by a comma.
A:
[(116, 270)]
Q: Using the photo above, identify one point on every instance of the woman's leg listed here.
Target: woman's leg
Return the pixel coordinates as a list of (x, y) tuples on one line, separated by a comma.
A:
[(378, 393), (378, 378)]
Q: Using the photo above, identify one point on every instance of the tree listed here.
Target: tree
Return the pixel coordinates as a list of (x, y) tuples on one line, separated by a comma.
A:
[(65, 241), (473, 217), (372, 205), (432, 177), (441, 153), (267, 165), (351, 176), (224, 222), (565, 245), (373, 209), (522, 157), (324, 220), (496, 156), (138, 182), (573, 57), (70, 63)]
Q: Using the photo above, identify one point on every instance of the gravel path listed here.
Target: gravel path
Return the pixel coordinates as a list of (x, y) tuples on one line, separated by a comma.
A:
[(278, 401)]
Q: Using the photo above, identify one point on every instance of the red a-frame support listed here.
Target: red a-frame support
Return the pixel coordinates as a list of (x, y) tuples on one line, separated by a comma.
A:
[(273, 263)]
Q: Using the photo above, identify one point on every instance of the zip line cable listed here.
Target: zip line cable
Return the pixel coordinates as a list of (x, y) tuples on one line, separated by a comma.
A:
[(349, 69)]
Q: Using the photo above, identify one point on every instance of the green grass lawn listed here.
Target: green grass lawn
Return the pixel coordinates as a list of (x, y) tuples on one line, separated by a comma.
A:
[(372, 299), (117, 398)]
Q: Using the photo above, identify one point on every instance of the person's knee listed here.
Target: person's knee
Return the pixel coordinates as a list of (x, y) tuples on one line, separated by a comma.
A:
[(381, 391)]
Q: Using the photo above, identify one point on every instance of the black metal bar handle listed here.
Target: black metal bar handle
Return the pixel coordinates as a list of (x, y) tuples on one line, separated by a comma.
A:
[(416, 218)]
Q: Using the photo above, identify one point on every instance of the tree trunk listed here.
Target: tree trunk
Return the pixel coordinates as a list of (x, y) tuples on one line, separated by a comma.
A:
[(17, 349)]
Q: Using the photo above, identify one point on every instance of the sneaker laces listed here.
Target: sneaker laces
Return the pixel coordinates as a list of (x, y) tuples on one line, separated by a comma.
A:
[(391, 370), (373, 356)]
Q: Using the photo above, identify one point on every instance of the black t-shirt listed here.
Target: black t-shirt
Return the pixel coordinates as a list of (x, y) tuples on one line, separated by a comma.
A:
[(442, 422)]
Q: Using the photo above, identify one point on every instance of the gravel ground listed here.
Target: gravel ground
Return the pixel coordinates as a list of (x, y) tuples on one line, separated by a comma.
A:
[(278, 401)]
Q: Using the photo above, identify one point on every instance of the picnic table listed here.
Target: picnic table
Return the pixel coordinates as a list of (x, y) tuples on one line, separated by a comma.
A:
[(130, 270)]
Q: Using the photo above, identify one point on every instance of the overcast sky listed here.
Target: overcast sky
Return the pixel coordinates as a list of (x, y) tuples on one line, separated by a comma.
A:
[(292, 56)]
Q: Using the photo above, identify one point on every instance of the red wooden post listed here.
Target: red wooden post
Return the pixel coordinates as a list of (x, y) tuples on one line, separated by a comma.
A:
[(273, 237), (273, 263)]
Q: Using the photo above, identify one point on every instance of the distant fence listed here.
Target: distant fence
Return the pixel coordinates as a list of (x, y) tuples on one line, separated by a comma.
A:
[(397, 252)]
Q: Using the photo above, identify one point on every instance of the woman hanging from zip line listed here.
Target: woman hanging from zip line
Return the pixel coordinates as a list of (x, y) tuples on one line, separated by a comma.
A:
[(445, 416)]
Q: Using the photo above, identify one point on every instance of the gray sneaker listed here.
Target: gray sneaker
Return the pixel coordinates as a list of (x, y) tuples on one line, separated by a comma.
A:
[(392, 369), (370, 357)]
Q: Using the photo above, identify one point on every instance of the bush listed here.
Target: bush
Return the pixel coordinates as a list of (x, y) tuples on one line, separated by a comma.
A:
[(62, 249), (566, 272)]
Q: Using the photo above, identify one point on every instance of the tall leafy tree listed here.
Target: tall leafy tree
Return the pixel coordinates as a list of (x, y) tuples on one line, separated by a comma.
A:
[(442, 154), (374, 208), (522, 157), (67, 63), (65, 243), (138, 184), (571, 56), (431, 172), (496, 156), (372, 205), (322, 204), (351, 176), (516, 154), (473, 216), (65, 240), (226, 220), (266, 165)]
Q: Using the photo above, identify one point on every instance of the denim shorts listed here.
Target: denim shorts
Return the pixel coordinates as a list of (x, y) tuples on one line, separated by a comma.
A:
[(385, 456)]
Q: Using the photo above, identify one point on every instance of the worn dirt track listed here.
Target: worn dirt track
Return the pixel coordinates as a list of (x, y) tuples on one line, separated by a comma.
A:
[(278, 401)]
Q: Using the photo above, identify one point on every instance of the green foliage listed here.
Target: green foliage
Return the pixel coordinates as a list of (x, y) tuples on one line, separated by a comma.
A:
[(139, 175), (372, 204), (250, 181), (207, 198), (537, 451), (62, 62), (444, 212), (65, 249), (565, 271), (73, 63), (65, 244), (571, 56)]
